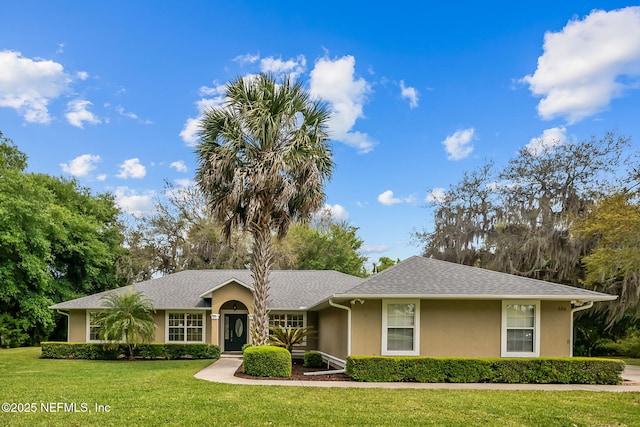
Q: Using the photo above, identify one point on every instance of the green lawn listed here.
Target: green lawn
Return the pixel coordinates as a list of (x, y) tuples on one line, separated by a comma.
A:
[(632, 361), (165, 393)]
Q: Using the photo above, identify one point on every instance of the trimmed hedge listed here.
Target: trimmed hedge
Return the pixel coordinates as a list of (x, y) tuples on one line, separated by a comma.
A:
[(100, 351), (267, 361), (462, 370), (313, 359)]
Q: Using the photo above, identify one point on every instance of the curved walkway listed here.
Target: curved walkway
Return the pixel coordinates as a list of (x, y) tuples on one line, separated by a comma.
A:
[(222, 371)]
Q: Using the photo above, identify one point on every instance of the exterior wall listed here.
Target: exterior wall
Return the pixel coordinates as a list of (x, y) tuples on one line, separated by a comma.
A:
[(77, 326), (159, 320), (555, 329), (312, 322), (332, 332), (230, 292), (460, 328), (366, 328)]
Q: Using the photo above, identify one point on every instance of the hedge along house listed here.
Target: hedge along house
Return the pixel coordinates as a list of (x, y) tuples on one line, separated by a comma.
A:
[(420, 306)]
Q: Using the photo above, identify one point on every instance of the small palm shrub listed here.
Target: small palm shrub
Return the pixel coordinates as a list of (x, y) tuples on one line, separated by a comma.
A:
[(128, 317), (288, 337)]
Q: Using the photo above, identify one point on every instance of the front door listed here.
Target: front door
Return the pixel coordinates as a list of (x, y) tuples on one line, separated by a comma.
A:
[(235, 331)]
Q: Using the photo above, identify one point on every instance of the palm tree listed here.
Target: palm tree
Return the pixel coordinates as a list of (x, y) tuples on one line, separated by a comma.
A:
[(263, 160), (128, 317)]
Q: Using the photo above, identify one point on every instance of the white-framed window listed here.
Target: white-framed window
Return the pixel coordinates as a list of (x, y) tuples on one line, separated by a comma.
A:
[(520, 328), (400, 327), (287, 320), (185, 327), (93, 330)]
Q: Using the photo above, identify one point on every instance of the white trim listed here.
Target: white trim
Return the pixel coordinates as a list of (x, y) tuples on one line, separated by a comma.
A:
[(223, 315), (536, 329), (166, 326), (568, 297), (206, 294), (416, 328)]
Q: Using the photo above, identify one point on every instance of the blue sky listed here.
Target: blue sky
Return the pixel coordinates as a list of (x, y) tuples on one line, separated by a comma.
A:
[(109, 92)]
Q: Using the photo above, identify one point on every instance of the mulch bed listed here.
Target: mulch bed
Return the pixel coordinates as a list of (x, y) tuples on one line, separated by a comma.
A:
[(297, 374)]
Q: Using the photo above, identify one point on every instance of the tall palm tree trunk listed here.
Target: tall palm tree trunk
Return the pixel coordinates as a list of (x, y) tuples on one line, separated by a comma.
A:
[(260, 267)]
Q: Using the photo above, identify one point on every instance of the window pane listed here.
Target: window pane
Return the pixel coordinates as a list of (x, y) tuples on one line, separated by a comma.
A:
[(400, 339), (176, 334), (277, 320), (521, 315), (194, 334), (400, 314), (520, 340), (176, 319), (194, 319), (295, 320)]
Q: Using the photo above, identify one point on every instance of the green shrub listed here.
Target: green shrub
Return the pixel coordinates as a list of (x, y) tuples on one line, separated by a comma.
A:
[(100, 351), (313, 359), (462, 370), (628, 346), (267, 361)]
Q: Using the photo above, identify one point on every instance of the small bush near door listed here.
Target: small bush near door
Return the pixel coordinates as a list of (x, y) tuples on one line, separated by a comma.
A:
[(313, 359), (267, 361)]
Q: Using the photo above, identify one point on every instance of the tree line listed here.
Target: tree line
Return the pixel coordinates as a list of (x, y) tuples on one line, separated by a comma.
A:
[(59, 241), (568, 213)]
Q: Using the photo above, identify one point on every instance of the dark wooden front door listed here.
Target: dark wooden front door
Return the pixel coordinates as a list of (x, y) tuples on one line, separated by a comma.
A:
[(235, 332)]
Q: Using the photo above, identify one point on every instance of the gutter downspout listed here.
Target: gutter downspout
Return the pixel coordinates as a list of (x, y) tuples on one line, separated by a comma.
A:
[(344, 307), (68, 321), (584, 306)]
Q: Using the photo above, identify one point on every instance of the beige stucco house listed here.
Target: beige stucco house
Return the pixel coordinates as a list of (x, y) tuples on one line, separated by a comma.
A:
[(421, 306)]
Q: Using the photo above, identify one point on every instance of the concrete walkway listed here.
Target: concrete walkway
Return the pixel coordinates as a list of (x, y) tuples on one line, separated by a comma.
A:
[(222, 371)]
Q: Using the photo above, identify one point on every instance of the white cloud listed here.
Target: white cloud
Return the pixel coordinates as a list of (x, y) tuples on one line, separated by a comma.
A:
[(77, 113), (336, 211), (458, 145), (587, 64), (374, 249), (101, 177), (132, 169), (120, 110), (189, 132), (387, 198), (82, 75), (28, 85), (179, 166), (437, 195), (81, 165), (410, 93), (133, 203), (333, 81), (549, 138), (210, 97), (247, 58), (293, 67)]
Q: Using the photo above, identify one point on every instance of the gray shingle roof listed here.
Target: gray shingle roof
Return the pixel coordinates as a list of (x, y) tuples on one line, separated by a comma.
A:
[(419, 276), (298, 290), (289, 289)]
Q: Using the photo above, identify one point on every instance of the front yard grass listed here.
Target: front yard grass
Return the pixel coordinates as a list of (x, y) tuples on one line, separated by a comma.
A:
[(166, 393)]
